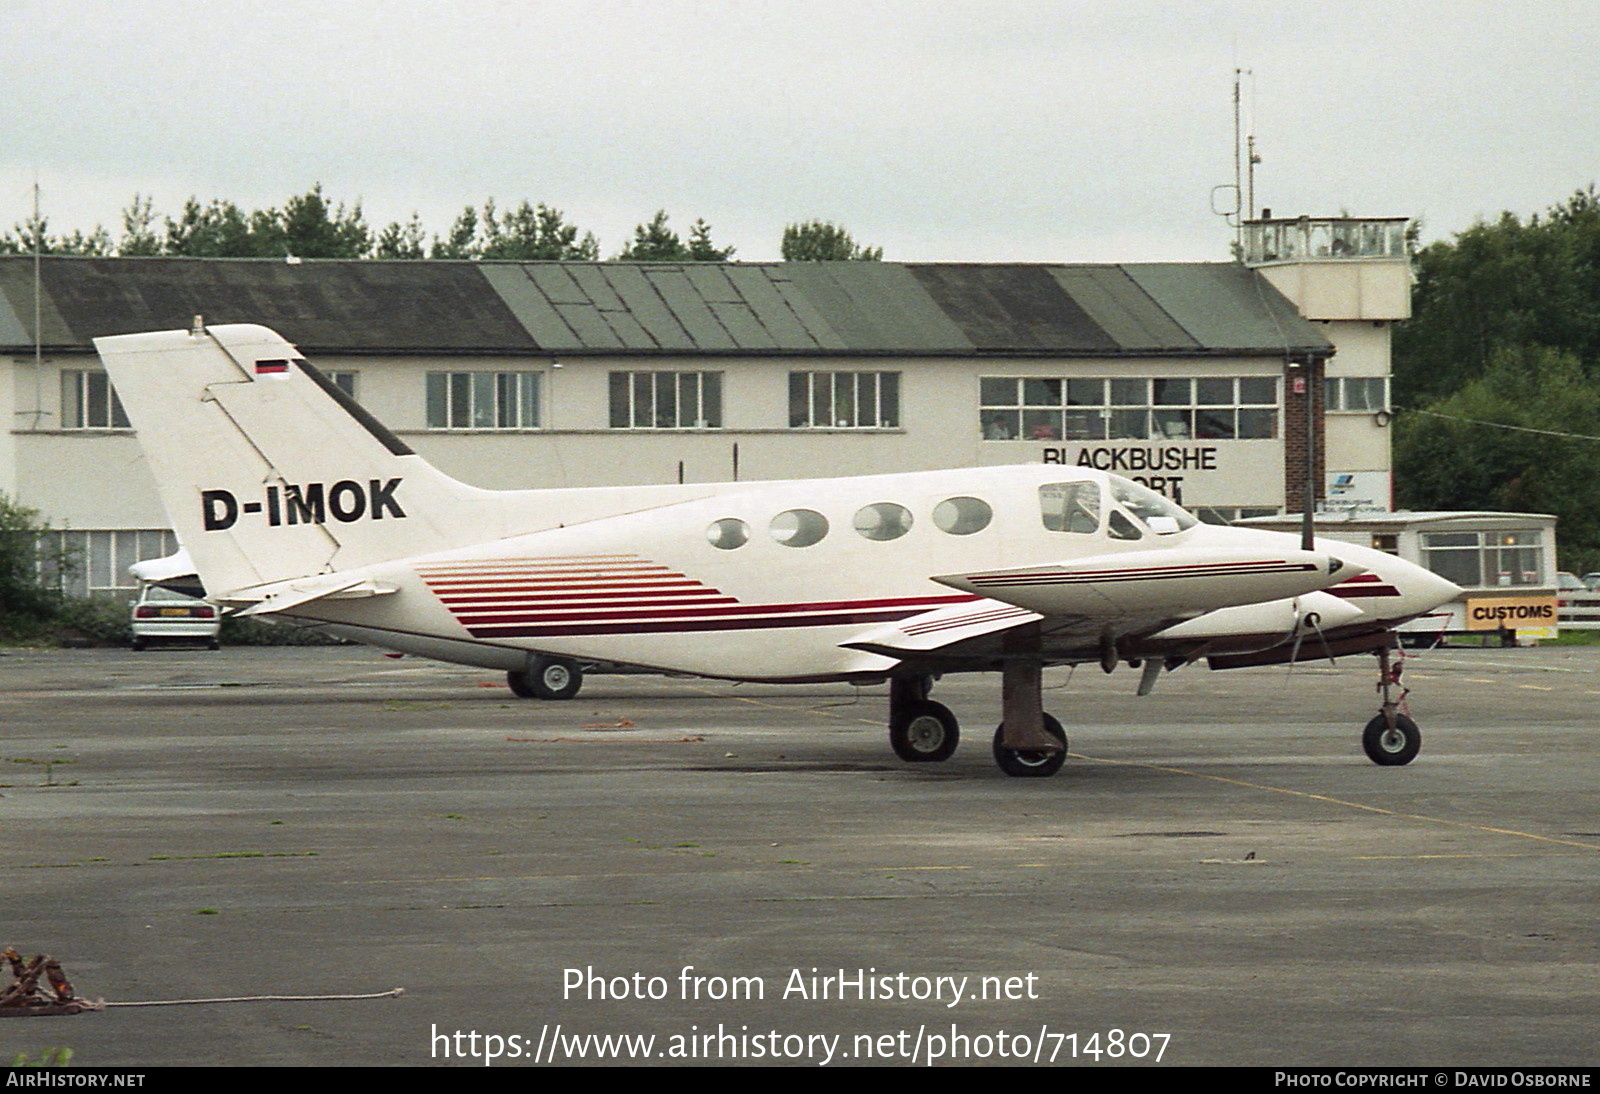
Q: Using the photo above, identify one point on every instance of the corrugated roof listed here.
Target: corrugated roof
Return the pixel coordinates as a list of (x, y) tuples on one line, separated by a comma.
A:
[(1121, 308), (1224, 306), (621, 308), (1013, 308), (345, 306), (12, 332)]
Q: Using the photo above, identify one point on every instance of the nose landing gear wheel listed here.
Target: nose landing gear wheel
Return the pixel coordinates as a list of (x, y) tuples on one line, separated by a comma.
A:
[(1391, 747), (925, 732), (1028, 763)]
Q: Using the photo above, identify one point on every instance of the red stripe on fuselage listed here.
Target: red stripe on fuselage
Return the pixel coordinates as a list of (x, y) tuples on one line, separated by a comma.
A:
[(651, 627)]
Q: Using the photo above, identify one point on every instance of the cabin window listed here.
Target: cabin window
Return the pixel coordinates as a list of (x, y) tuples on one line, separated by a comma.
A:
[(89, 402), (1120, 527), (799, 527), (962, 516), (1157, 513), (883, 521), (844, 400), (666, 400), (728, 533), (1070, 507), (483, 400)]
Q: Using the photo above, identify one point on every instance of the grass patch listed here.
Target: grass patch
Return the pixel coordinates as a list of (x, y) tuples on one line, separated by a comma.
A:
[(1572, 637)]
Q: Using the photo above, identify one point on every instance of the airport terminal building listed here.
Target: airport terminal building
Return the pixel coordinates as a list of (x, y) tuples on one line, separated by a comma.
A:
[(1228, 386)]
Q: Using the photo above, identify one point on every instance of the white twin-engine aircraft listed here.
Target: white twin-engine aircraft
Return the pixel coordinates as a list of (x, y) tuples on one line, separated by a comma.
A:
[(293, 500)]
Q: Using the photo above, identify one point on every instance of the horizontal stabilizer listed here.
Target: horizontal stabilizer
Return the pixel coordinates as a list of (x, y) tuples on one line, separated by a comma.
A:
[(291, 594)]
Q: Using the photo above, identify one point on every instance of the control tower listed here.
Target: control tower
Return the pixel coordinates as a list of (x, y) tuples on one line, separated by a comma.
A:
[(1353, 276)]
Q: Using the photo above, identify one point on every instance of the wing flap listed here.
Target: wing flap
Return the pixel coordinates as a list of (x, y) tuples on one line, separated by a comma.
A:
[(942, 627)]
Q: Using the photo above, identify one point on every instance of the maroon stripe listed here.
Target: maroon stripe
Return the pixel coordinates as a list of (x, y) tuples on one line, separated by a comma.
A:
[(1112, 576), (508, 587), (1358, 594), (1175, 570), (649, 611), (658, 596), (834, 619), (965, 621), (542, 573)]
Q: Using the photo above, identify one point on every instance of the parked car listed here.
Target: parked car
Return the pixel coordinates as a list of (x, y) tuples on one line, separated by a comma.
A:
[(161, 615), (1592, 581)]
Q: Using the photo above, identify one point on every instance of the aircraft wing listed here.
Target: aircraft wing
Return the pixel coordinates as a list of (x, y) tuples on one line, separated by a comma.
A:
[(942, 627)]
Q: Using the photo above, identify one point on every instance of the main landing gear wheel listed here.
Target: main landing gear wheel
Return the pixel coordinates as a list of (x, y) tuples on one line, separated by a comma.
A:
[(547, 678), (1391, 747), (924, 732), (1029, 763)]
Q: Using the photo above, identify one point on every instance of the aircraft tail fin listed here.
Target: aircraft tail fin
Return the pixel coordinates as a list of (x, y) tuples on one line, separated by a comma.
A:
[(268, 471)]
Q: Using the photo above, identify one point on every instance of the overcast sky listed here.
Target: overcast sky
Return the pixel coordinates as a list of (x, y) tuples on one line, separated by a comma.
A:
[(941, 131)]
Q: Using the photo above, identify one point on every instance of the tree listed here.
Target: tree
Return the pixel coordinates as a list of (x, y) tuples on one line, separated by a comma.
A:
[(401, 240), (1502, 286), (535, 233), (218, 230), (308, 228), (655, 242), (822, 241), (702, 249), (1459, 454), (35, 232), (462, 240), (25, 604), (138, 229)]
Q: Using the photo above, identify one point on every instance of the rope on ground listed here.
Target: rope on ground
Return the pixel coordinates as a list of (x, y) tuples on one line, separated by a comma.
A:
[(257, 999)]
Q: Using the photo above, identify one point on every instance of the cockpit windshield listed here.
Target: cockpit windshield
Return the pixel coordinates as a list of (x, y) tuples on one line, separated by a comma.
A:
[(1070, 507), (1157, 513)]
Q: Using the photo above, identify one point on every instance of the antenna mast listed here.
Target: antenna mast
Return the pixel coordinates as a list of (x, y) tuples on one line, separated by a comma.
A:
[(1242, 194)]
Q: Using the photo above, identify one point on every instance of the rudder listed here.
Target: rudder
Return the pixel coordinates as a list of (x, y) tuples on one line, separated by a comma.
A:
[(266, 469)]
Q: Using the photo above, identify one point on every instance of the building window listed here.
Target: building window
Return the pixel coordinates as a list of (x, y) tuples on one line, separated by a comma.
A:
[(82, 563), (88, 402), (1223, 408), (1226, 514), (1484, 559), (666, 400), (1357, 394), (483, 400), (844, 400), (345, 382)]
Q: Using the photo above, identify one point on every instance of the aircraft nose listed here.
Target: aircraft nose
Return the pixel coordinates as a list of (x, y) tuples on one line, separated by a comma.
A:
[(1345, 570), (1423, 590)]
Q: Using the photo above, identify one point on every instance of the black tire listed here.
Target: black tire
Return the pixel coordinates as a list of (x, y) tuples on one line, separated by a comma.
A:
[(924, 732), (214, 644), (1027, 763), (1391, 748), (555, 678), (518, 683), (140, 643)]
